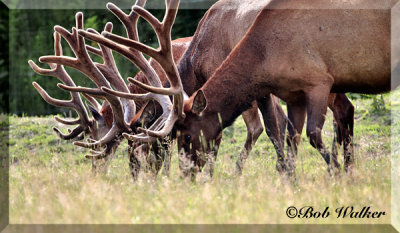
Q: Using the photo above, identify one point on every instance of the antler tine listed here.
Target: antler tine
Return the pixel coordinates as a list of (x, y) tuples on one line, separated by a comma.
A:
[(97, 154), (94, 50), (51, 100), (90, 91), (67, 122), (74, 133), (129, 21), (109, 137), (93, 101), (139, 97)]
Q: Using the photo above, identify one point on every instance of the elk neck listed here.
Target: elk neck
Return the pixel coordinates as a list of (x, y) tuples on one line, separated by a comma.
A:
[(231, 90)]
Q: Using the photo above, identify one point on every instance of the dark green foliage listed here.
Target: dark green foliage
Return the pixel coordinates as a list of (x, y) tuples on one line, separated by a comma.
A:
[(4, 107), (31, 36)]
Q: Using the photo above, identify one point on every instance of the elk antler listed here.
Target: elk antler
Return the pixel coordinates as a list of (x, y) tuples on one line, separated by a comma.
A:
[(132, 49), (101, 75), (83, 121)]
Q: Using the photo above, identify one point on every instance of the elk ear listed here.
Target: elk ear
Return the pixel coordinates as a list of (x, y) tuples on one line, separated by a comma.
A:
[(199, 103), (97, 116)]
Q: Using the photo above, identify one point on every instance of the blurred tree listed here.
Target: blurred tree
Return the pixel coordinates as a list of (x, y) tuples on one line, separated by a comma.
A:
[(4, 107)]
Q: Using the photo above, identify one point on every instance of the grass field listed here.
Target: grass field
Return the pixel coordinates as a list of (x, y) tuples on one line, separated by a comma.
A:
[(51, 181)]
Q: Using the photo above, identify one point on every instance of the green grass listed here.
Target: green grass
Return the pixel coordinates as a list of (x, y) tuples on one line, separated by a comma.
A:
[(51, 181)]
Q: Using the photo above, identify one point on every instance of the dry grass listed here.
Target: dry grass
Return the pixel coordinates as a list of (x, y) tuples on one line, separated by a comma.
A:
[(51, 182)]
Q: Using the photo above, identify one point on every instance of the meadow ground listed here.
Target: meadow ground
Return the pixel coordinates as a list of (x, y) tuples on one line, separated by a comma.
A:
[(51, 181)]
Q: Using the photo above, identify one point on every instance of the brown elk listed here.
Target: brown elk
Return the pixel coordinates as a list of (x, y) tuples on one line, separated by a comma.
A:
[(301, 56), (336, 100), (111, 77), (192, 81)]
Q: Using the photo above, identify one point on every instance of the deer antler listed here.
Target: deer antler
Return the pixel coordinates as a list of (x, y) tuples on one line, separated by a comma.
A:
[(132, 49), (83, 121)]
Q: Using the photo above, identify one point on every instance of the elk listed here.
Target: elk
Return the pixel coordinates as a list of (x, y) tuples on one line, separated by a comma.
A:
[(301, 56), (194, 61), (192, 81), (105, 91)]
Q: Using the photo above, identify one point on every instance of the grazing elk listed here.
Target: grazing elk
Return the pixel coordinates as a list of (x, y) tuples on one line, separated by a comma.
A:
[(194, 73), (301, 56), (202, 58)]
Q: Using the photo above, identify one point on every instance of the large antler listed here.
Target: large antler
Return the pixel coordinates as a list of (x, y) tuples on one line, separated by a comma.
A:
[(83, 63), (132, 49), (83, 121)]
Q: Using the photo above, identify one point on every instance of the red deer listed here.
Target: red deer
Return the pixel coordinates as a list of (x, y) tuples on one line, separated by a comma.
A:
[(169, 68)]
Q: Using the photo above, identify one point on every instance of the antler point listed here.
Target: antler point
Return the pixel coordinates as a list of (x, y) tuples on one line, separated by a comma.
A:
[(110, 5)]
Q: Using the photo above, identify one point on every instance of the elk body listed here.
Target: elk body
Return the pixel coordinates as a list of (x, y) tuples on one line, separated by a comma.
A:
[(301, 56)]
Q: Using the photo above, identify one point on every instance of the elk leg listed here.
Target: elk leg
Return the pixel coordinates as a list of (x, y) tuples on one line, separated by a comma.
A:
[(270, 115), (156, 157), (254, 129), (167, 159), (337, 132), (282, 121), (317, 103), (135, 150), (343, 111), (297, 115), (336, 142)]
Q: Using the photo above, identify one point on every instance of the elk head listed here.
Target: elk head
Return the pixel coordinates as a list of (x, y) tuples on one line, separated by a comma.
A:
[(199, 134)]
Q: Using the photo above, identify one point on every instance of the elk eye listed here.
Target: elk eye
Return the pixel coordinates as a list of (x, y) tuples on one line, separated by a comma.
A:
[(188, 138)]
